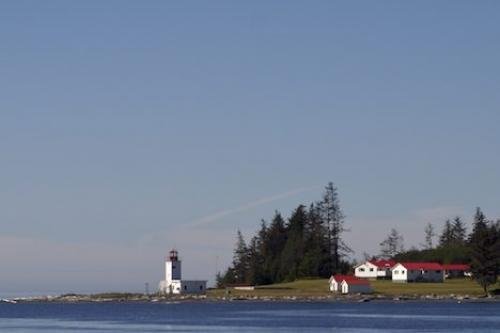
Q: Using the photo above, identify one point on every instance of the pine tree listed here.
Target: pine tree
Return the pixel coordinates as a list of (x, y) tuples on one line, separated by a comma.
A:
[(392, 245), (429, 236), (316, 256), (276, 238), (240, 259), (334, 219), (293, 251), (458, 231), (484, 246), (446, 237), (254, 274)]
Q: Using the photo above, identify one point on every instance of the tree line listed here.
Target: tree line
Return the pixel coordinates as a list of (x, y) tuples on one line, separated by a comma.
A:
[(480, 248), (307, 244)]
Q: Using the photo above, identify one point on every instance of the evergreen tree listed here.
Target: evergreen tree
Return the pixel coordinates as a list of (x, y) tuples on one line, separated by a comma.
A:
[(240, 259), (334, 220), (484, 247), (429, 235), (294, 247), (446, 237), (316, 258), (255, 274), (275, 241), (392, 245), (458, 231)]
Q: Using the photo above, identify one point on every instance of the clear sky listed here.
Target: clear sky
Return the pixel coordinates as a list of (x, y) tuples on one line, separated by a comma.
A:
[(130, 127)]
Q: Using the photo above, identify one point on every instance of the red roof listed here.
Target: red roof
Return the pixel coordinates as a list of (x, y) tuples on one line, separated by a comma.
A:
[(340, 277), (431, 266), (383, 263), (456, 267), (350, 279), (358, 281)]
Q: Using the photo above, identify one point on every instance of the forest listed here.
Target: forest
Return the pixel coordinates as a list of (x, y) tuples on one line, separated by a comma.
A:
[(310, 244)]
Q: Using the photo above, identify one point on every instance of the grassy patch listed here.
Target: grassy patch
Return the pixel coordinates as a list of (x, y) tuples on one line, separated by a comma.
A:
[(452, 286), (319, 287), (299, 288)]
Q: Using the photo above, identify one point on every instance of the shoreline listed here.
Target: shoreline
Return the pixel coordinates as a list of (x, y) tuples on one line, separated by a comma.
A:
[(140, 298)]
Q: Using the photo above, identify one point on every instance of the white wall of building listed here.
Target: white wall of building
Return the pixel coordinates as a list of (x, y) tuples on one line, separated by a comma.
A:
[(193, 286), (334, 285), (384, 272), (401, 274), (366, 270), (348, 288), (173, 270)]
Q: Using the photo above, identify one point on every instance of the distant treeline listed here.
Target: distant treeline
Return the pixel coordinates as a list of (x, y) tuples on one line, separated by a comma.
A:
[(480, 248), (308, 244)]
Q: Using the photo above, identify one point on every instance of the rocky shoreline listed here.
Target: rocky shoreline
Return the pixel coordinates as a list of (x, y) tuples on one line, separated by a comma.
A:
[(355, 298)]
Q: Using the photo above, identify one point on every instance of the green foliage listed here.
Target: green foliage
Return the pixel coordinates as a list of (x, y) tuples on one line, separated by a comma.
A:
[(392, 245), (309, 244), (485, 251), (481, 250), (453, 233), (449, 254)]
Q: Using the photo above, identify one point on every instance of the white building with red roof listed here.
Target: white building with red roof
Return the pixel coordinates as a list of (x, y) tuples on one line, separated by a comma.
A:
[(374, 269), (418, 272), (336, 280), (456, 270), (356, 286), (349, 284)]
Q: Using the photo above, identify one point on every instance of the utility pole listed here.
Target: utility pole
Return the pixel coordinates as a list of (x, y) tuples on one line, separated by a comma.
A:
[(216, 269)]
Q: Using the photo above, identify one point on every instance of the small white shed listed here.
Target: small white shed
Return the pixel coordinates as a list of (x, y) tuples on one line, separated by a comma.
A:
[(355, 286), (336, 280)]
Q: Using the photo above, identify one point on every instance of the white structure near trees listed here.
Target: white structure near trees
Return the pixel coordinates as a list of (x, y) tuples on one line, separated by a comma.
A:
[(418, 272), (349, 284), (173, 283), (336, 280), (374, 269), (356, 286)]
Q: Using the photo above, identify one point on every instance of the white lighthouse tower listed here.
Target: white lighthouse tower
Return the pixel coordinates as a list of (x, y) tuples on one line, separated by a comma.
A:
[(173, 267), (173, 283)]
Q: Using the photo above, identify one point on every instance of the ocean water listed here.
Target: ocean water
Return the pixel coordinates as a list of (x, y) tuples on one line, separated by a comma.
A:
[(242, 316)]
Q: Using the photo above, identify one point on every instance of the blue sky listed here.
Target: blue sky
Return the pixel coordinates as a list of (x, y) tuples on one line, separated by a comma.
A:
[(123, 124)]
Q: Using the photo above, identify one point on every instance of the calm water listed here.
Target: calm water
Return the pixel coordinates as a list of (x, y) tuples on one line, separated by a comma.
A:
[(251, 317)]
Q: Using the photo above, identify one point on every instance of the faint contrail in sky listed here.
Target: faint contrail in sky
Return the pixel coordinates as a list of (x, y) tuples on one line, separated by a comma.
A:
[(262, 201)]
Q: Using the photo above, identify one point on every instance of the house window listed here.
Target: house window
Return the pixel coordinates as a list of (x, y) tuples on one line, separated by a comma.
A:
[(402, 272), (396, 272), (371, 269), (201, 287), (185, 287), (361, 269)]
